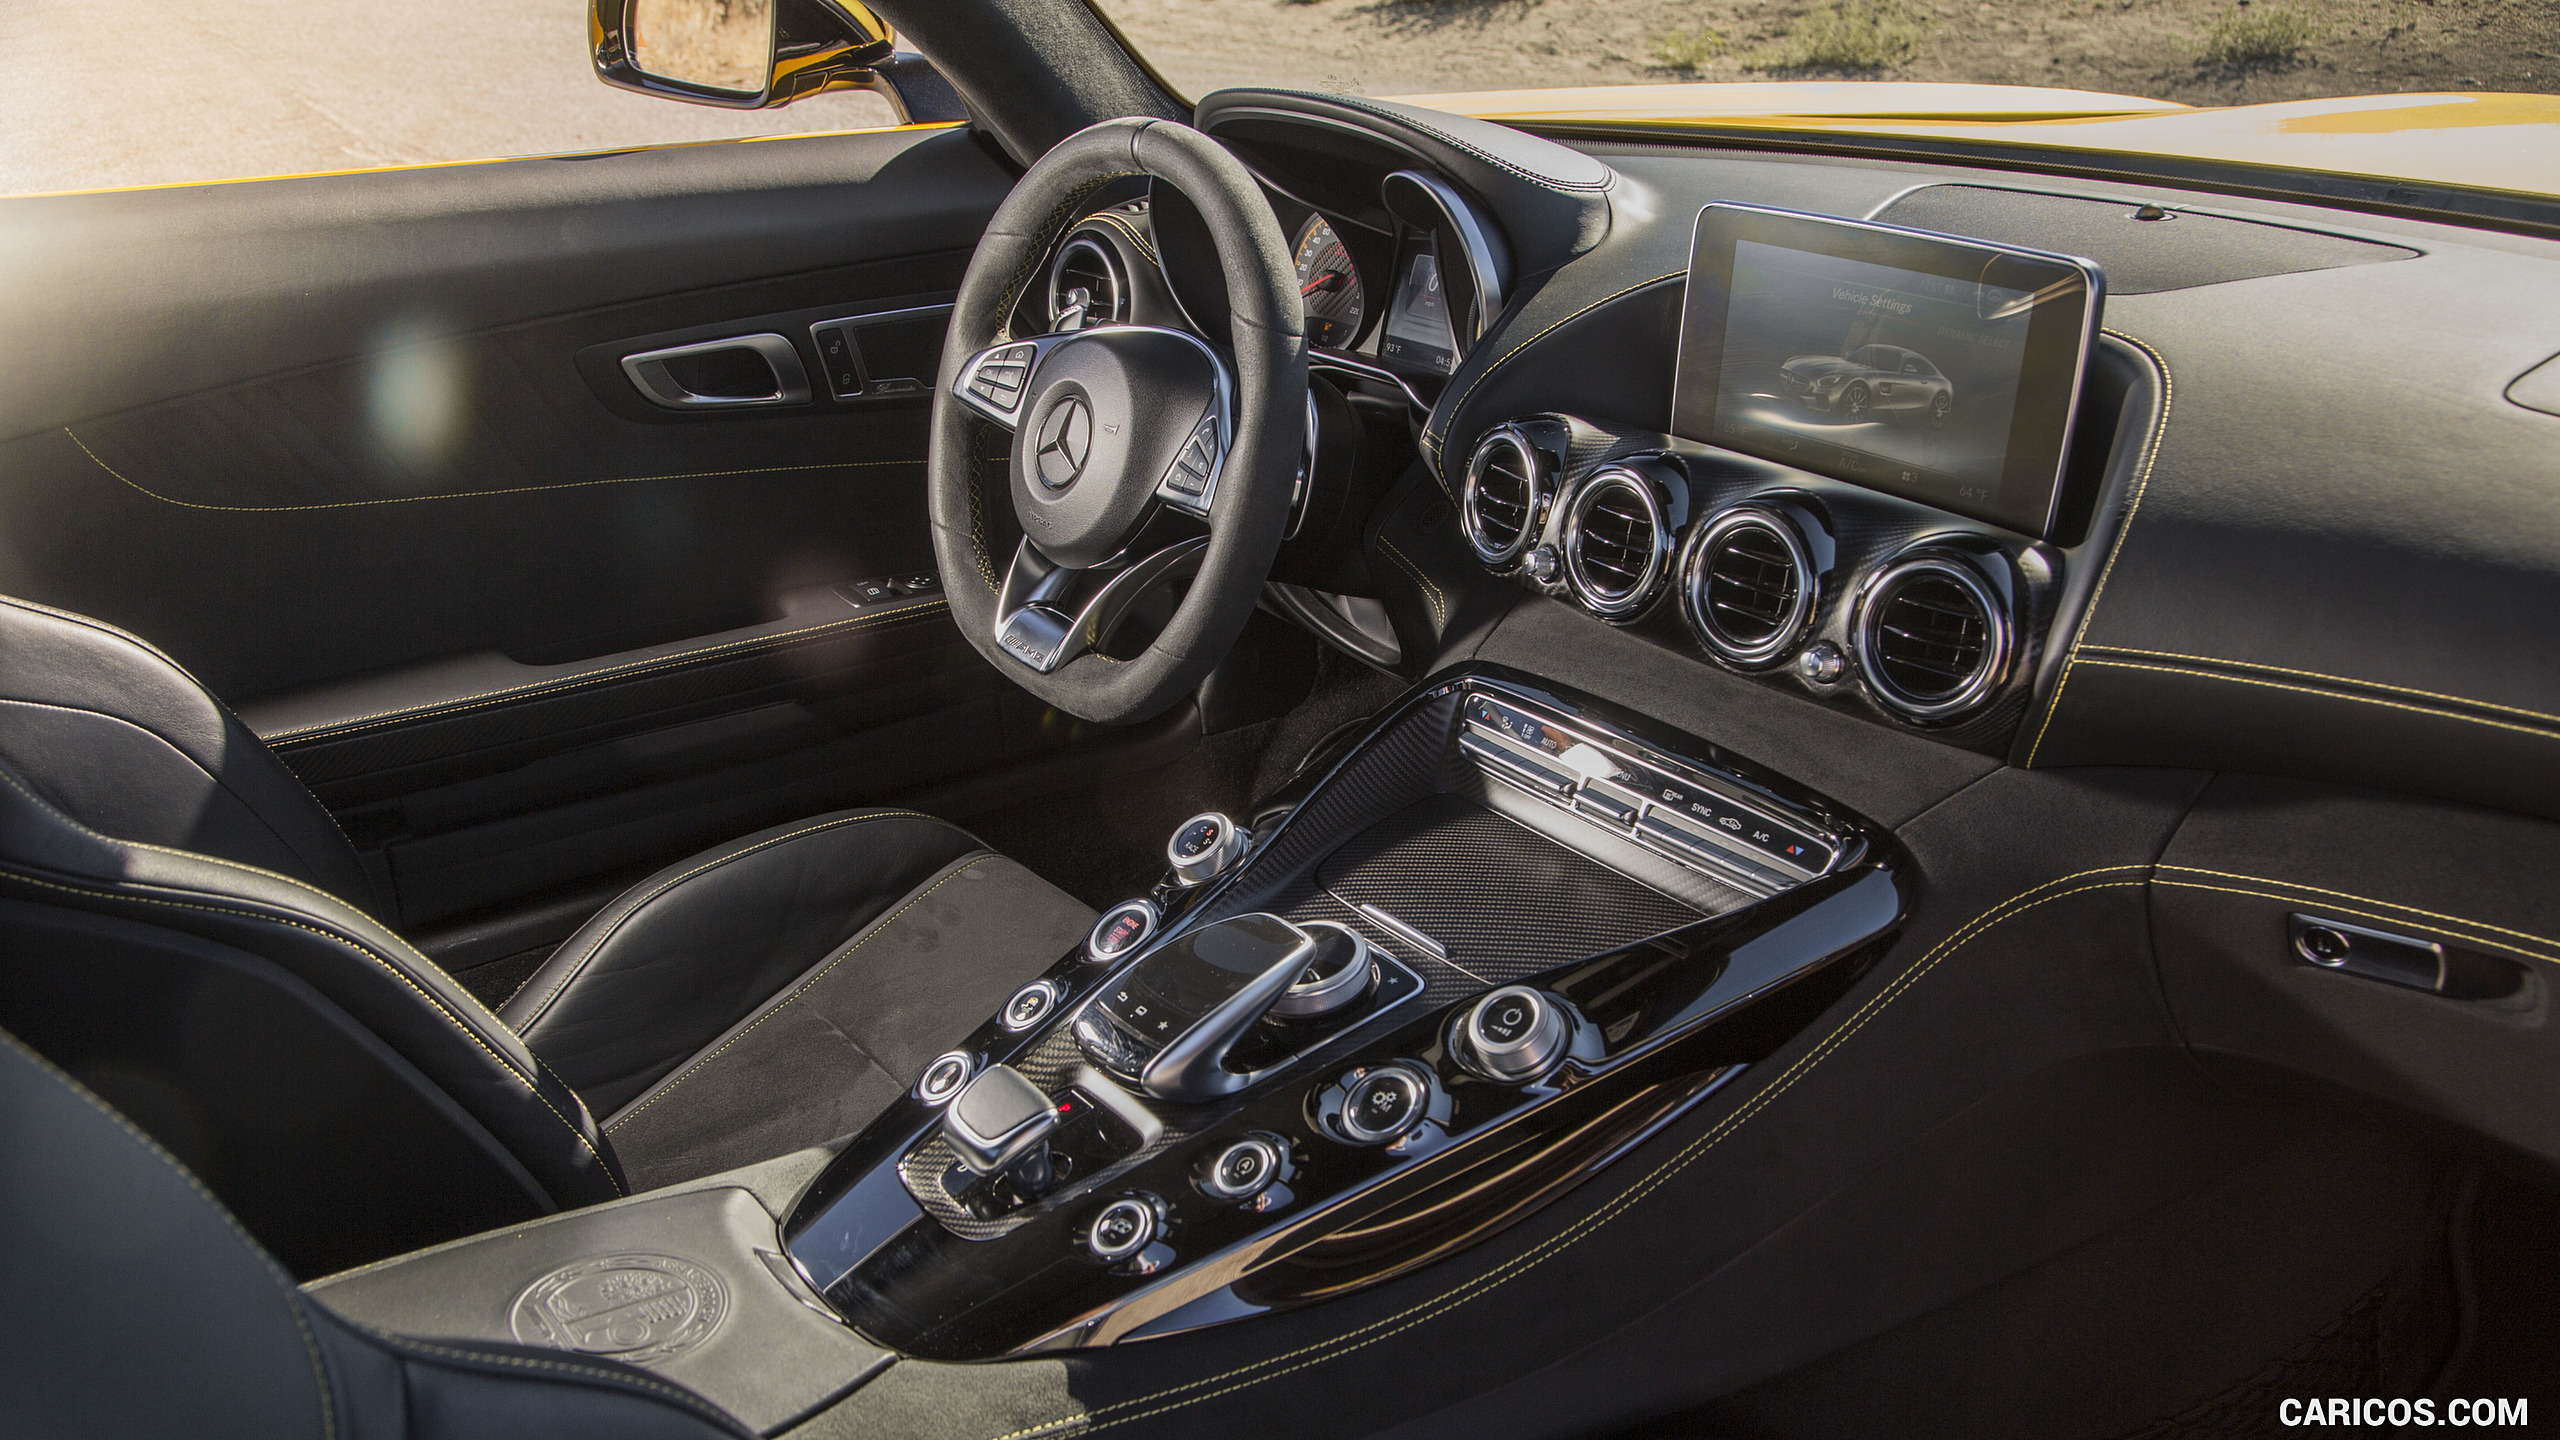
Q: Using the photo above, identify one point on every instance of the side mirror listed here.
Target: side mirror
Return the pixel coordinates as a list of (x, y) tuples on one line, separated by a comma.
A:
[(756, 54)]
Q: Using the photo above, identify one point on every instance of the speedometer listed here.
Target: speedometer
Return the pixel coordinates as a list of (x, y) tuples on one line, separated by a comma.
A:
[(1329, 284)]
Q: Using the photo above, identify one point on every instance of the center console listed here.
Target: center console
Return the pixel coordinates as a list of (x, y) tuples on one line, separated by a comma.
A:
[(1507, 936)]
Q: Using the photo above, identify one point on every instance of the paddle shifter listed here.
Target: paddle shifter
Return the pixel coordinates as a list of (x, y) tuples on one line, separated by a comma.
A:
[(1171, 1019)]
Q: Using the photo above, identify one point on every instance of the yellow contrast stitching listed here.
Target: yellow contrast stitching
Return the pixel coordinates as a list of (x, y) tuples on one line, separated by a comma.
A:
[(571, 682), (292, 1299), (1434, 442), (521, 1078), (2332, 679), (796, 991), (1439, 606), (1106, 217), (1381, 1329), (2543, 732), (2437, 916), (2133, 507), (470, 494), (636, 906)]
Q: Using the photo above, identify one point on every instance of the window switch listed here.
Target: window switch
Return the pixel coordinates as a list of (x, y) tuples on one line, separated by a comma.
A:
[(866, 592), (926, 583)]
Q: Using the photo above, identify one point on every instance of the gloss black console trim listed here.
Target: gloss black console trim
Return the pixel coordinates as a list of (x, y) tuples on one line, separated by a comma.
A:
[(1685, 981)]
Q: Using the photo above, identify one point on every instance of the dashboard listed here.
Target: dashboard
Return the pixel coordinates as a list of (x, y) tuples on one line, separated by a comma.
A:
[(1538, 305)]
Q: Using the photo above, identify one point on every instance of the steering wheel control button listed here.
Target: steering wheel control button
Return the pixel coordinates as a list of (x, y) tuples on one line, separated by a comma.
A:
[(943, 1078), (1122, 929), (1241, 1170), (1204, 847), (1384, 1105), (1030, 1005), (1517, 1034), (997, 1119), (1125, 1227), (1339, 975)]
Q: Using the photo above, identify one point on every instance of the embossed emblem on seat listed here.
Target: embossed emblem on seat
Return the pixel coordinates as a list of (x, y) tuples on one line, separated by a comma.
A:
[(640, 1309)]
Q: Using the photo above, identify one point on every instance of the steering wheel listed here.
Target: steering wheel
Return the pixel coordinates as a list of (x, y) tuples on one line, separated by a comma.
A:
[(1112, 432)]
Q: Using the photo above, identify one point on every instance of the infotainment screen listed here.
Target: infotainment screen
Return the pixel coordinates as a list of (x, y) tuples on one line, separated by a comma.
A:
[(1941, 369)]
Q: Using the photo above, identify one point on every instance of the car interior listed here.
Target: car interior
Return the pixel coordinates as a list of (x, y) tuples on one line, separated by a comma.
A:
[(1288, 764)]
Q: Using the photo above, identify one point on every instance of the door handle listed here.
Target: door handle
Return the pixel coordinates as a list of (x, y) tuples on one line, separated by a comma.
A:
[(736, 373)]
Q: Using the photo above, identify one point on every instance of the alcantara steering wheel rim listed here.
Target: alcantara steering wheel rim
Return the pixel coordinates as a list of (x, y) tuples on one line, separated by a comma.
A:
[(1103, 427)]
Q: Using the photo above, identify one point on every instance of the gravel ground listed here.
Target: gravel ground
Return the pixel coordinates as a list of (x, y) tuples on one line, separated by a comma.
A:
[(2129, 47), (142, 92)]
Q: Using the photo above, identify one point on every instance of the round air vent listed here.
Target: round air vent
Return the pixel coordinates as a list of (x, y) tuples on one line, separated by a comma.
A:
[(1088, 263), (1747, 586), (1932, 639), (1617, 543), (1504, 500)]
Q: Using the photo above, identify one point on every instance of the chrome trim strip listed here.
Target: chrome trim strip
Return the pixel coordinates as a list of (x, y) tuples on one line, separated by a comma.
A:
[(1404, 932)]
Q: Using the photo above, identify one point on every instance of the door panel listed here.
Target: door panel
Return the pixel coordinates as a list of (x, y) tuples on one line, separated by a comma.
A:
[(359, 451)]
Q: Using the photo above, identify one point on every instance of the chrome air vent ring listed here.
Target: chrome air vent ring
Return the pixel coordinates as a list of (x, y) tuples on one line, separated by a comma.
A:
[(1747, 586), (1502, 504), (1617, 543), (1932, 638), (1088, 262)]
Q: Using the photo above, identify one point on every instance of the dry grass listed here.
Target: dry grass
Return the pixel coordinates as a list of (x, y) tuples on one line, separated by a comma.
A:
[(1848, 35), (2251, 37), (1690, 50)]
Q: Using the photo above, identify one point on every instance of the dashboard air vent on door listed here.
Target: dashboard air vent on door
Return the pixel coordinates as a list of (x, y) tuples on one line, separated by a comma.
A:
[(1088, 263), (1932, 638), (1747, 586), (1505, 496), (1617, 543)]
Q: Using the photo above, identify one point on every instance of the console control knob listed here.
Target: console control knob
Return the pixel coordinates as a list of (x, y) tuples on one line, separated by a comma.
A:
[(1204, 847), (1125, 1227), (943, 1078), (1339, 974), (1030, 1005), (1242, 1170), (1517, 1034), (1121, 930), (1542, 564), (1384, 1104)]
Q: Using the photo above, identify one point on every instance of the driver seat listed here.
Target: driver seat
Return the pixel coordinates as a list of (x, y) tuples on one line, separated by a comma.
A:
[(188, 933)]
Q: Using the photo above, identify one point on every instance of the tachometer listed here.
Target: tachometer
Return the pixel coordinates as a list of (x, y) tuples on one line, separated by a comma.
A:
[(1329, 284)]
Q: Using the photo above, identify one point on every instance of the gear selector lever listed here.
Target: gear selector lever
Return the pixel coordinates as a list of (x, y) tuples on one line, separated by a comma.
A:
[(1169, 1020), (999, 1121)]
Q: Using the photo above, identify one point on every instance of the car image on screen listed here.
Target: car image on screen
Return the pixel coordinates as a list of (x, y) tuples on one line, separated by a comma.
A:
[(1878, 379)]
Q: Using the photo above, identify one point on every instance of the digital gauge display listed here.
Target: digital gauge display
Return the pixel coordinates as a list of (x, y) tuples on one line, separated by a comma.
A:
[(1329, 284)]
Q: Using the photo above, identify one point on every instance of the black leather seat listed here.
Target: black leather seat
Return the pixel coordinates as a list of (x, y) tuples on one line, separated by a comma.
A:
[(152, 1313), (186, 930)]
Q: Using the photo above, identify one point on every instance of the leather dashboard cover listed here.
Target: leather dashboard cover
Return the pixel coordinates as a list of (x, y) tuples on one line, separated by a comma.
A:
[(2340, 564), (1552, 202)]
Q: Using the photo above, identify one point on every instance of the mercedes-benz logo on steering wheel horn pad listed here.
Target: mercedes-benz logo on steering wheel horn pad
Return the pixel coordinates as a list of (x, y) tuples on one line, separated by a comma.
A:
[(1066, 439)]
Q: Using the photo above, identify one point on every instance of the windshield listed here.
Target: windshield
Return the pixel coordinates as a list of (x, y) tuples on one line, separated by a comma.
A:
[(2200, 52)]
